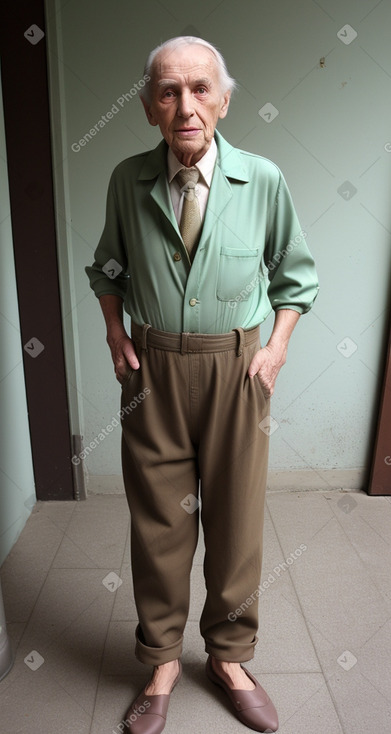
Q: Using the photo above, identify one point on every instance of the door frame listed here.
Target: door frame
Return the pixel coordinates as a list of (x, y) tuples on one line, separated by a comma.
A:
[(24, 72)]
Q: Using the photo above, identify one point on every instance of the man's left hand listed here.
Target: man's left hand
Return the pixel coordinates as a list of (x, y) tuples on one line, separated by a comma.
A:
[(267, 362), (265, 366)]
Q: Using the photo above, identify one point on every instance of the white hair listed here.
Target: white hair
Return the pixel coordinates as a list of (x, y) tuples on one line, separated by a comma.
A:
[(227, 83)]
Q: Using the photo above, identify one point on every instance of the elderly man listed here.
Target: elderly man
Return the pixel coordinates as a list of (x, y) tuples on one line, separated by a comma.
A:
[(201, 241)]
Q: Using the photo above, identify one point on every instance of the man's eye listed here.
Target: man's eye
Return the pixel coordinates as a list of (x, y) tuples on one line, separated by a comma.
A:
[(168, 94), (201, 89)]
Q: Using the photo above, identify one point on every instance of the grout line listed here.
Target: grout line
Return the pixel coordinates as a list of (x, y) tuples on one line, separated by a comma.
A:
[(306, 623), (109, 621)]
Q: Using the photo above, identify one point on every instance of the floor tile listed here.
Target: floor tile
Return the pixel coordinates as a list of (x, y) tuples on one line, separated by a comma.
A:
[(284, 643), (124, 604), (324, 603), (114, 696), (359, 679), (59, 513), (360, 705), (336, 592), (119, 658), (375, 661), (25, 569), (298, 517), (66, 596), (126, 558), (366, 522), (200, 551), (15, 631), (197, 592), (98, 530), (37, 704), (304, 704)]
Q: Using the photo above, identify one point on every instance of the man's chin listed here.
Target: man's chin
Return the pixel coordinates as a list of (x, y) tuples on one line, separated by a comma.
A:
[(195, 141), (196, 146)]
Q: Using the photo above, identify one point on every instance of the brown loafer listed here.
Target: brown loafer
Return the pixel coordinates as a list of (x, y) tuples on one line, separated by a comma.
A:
[(147, 714), (253, 708)]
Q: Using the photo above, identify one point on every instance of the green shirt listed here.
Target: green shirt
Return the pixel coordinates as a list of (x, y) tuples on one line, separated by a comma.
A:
[(252, 254)]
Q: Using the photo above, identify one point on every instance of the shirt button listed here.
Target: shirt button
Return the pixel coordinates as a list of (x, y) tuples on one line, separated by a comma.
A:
[(177, 256), (193, 301)]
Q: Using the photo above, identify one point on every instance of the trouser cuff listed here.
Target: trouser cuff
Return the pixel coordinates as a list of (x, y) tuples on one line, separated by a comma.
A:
[(231, 653), (156, 655)]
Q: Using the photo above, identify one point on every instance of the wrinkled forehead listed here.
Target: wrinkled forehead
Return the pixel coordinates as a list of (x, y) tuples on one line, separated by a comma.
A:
[(187, 62)]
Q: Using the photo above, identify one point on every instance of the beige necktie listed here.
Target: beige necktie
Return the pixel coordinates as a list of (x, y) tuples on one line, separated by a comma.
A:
[(190, 224)]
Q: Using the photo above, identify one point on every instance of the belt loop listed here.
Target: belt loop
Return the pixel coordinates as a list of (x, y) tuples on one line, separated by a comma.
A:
[(184, 345), (239, 348), (144, 337)]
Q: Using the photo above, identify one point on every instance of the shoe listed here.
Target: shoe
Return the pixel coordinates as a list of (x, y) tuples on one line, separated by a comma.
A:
[(253, 708), (147, 714)]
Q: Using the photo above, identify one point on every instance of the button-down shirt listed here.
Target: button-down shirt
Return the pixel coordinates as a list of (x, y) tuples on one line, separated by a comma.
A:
[(252, 255), (205, 166)]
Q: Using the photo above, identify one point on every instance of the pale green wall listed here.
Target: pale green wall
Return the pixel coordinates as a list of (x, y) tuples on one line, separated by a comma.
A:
[(333, 126), (17, 493)]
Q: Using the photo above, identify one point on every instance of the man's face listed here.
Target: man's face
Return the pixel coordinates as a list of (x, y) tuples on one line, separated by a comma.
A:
[(186, 100)]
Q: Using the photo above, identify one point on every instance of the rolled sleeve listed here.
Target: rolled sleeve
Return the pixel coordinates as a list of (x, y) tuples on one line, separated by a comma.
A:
[(108, 274), (291, 268)]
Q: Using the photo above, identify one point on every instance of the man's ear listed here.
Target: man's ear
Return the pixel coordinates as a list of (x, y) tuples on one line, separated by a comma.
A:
[(148, 112), (224, 104)]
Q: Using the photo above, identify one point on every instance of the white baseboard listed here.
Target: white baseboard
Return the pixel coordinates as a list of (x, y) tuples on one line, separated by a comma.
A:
[(320, 479), (278, 481), (105, 484)]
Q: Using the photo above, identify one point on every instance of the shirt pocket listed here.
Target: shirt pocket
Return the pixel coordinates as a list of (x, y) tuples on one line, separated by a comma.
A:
[(237, 268)]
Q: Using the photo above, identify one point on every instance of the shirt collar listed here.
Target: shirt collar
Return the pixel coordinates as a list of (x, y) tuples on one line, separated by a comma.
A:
[(205, 165)]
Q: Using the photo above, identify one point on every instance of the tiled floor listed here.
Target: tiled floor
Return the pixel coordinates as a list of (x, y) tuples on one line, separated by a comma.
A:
[(324, 651)]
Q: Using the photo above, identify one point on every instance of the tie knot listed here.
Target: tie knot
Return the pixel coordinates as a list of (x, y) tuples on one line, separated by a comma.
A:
[(187, 179)]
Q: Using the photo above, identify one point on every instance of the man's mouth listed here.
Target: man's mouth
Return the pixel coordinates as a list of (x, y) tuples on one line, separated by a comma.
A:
[(188, 131)]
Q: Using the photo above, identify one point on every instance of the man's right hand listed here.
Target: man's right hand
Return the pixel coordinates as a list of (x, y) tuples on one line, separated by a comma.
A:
[(123, 354), (121, 346)]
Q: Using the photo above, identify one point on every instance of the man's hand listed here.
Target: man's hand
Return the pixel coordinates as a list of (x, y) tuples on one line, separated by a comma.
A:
[(122, 353), (265, 366), (121, 346), (268, 361)]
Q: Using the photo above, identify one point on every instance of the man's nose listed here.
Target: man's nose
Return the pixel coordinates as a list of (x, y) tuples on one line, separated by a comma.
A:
[(185, 104)]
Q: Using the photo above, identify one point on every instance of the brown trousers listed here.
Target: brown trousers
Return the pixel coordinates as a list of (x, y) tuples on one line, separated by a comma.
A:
[(190, 413)]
